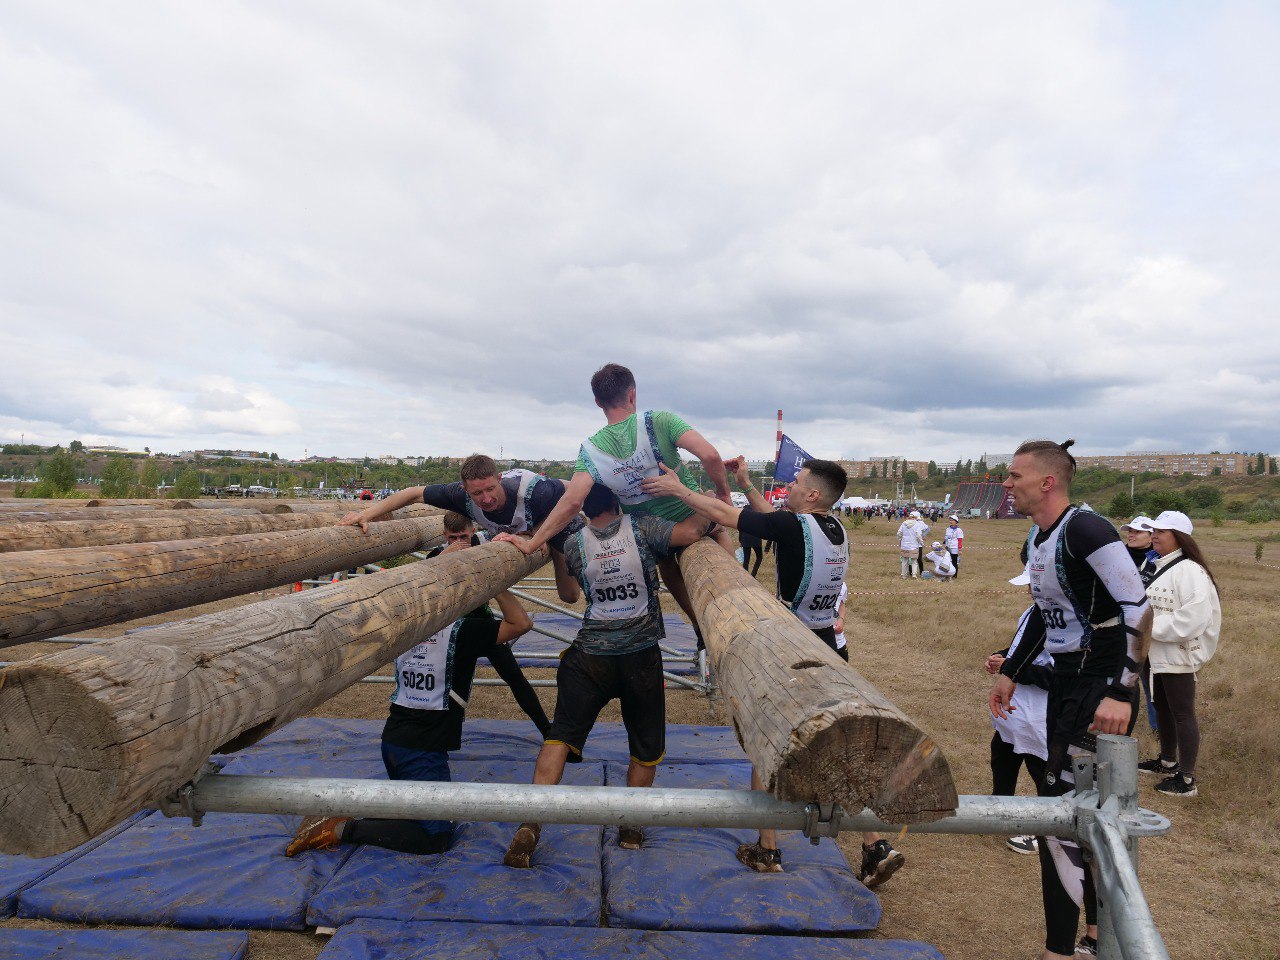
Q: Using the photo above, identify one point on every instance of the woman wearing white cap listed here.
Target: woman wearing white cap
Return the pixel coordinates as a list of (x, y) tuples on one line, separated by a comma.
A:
[(1137, 540), (1184, 636)]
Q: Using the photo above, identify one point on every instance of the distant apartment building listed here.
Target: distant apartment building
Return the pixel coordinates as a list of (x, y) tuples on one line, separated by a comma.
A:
[(884, 467), (1172, 464)]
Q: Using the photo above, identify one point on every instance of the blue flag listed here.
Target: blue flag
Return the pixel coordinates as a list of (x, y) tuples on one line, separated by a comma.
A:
[(791, 458)]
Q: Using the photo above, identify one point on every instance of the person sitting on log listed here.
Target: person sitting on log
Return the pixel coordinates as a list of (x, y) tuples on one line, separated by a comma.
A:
[(615, 654), (428, 706), (812, 559), (623, 453), (516, 501)]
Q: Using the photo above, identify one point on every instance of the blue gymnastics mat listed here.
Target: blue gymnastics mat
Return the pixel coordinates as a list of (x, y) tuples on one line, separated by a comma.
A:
[(320, 739), (385, 940), (121, 945), (680, 638), (16, 873), (469, 882), (687, 879)]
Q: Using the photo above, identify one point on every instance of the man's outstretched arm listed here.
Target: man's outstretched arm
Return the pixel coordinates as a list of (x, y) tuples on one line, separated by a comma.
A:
[(381, 508), (700, 447), (669, 484)]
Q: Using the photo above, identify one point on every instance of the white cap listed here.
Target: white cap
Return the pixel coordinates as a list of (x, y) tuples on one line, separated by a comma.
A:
[(954, 517), (1022, 579), (1172, 520), (1138, 523), (936, 544), (915, 514)]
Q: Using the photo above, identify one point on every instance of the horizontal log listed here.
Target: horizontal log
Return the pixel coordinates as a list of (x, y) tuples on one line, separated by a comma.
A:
[(45, 593), (814, 727), (91, 735), (174, 525), (97, 514)]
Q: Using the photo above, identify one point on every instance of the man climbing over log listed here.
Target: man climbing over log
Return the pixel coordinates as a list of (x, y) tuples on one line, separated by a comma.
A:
[(433, 685), (629, 448), (517, 501), (614, 558), (812, 559)]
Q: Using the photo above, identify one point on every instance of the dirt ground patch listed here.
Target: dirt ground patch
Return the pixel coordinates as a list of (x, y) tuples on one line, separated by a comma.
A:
[(1214, 883)]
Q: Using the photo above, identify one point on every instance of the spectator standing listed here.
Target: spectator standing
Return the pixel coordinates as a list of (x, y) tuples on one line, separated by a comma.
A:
[(954, 539), (1184, 637), (1137, 536), (911, 534)]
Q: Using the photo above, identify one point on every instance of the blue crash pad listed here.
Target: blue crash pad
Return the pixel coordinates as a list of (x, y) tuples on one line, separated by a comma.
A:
[(230, 872), (680, 637), (121, 945), (687, 879), (385, 940), (469, 881), (318, 738), (19, 872)]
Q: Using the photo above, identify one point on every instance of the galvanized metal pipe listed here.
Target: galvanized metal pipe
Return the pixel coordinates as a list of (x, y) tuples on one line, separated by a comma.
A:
[(654, 806), (1134, 928)]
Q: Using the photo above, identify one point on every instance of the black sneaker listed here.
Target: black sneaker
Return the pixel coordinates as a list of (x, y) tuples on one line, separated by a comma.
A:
[(760, 859), (879, 862), (1023, 844), (1179, 785), (1087, 947), (1158, 766)]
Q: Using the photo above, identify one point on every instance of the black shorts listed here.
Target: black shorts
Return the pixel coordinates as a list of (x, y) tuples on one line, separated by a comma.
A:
[(1073, 701), (586, 682)]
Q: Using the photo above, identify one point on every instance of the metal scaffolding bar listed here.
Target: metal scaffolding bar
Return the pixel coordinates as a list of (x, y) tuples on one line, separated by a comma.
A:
[(653, 806)]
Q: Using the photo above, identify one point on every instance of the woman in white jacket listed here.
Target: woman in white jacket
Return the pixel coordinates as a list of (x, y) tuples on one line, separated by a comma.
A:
[(1184, 636)]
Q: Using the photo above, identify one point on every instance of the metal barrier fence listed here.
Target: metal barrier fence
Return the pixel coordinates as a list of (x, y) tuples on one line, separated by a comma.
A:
[(1102, 814)]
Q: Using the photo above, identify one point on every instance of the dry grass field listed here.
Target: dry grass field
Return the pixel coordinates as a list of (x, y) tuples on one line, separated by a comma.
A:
[(1214, 883)]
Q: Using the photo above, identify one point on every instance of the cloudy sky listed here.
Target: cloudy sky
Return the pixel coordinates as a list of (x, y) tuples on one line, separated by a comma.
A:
[(921, 229)]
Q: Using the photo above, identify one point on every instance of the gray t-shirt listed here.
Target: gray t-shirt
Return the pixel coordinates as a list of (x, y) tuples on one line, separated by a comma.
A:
[(615, 637)]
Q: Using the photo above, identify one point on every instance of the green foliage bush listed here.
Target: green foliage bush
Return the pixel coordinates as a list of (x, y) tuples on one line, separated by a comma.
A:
[(117, 479)]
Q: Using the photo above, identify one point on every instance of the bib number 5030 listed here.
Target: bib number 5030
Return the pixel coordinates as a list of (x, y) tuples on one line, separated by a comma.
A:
[(1055, 617)]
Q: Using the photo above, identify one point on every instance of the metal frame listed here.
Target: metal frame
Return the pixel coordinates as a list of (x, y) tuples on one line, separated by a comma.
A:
[(1102, 814)]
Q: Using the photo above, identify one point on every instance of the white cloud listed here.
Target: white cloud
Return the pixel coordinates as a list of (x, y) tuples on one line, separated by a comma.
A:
[(920, 229)]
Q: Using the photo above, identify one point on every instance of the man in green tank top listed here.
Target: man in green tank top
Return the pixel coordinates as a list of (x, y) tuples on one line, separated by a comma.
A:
[(632, 445)]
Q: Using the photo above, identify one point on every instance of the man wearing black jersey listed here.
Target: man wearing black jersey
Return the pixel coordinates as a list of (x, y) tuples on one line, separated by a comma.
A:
[(428, 706), (1097, 628), (801, 560)]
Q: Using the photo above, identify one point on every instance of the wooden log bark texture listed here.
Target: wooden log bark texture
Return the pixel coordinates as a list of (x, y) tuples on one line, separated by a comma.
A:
[(172, 525), (45, 593), (815, 728), (91, 735)]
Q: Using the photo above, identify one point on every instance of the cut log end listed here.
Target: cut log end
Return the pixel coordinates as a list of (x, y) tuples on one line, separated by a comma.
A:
[(901, 775), (59, 760)]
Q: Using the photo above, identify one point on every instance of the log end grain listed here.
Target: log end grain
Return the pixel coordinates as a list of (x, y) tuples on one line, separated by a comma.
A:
[(60, 763)]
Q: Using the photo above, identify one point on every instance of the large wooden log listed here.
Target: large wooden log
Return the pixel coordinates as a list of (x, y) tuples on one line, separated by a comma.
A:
[(175, 525), (44, 593), (91, 735), (815, 729), (99, 514)]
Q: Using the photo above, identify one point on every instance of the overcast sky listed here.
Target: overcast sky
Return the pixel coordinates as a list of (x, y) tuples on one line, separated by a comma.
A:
[(921, 229)]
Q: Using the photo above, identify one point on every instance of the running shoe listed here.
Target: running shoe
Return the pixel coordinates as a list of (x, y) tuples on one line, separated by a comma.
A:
[(1023, 844), (760, 859), (1179, 785), (1087, 947), (1158, 766), (520, 853), (317, 833), (879, 862)]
